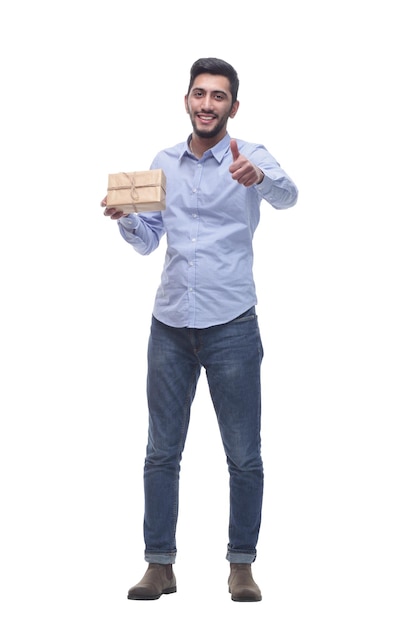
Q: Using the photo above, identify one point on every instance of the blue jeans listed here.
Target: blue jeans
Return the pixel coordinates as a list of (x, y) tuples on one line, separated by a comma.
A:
[(231, 355)]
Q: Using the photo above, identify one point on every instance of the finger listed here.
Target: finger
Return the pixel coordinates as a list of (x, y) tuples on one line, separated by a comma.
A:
[(234, 149), (104, 201), (109, 211), (117, 215)]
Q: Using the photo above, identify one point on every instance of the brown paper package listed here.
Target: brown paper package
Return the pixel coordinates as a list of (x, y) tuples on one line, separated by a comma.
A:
[(134, 192)]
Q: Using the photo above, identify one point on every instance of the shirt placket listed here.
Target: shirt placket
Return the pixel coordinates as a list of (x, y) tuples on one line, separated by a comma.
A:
[(194, 243)]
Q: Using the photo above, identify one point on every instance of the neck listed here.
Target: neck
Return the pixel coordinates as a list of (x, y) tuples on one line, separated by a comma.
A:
[(198, 145)]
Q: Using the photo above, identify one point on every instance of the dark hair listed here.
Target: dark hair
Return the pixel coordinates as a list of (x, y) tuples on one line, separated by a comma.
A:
[(211, 65)]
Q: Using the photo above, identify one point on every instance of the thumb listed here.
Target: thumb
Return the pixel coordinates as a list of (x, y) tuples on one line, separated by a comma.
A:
[(234, 149)]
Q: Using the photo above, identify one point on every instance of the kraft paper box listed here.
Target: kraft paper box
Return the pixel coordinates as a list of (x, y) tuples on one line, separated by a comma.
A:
[(133, 192)]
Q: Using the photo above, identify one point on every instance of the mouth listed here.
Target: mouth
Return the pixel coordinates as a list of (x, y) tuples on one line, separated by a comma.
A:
[(206, 119)]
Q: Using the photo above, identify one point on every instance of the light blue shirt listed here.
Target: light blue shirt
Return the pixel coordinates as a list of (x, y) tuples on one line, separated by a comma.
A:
[(209, 222)]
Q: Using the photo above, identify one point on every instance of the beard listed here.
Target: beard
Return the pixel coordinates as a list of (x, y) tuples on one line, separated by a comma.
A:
[(209, 134)]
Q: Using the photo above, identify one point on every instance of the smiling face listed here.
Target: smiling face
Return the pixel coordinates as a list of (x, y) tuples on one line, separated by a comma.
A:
[(209, 105)]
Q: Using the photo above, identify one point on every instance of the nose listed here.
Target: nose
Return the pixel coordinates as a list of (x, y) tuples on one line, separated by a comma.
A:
[(206, 104)]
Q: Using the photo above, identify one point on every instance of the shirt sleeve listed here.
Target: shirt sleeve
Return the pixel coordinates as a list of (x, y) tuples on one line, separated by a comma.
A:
[(280, 192), (276, 188), (142, 232)]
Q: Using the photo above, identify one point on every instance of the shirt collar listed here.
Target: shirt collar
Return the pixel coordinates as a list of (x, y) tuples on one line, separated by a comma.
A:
[(218, 151)]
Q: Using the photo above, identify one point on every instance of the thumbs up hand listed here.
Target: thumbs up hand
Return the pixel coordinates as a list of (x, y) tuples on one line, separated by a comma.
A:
[(243, 170)]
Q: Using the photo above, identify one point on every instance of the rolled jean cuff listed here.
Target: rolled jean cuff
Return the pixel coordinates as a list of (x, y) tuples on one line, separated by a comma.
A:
[(240, 557), (166, 558)]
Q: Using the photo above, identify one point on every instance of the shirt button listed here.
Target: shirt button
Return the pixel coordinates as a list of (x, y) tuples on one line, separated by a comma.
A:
[(193, 239)]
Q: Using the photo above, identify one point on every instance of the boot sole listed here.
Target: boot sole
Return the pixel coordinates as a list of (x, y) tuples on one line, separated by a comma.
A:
[(246, 599), (165, 591)]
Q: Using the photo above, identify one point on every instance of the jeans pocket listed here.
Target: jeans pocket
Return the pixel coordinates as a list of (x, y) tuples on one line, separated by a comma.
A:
[(247, 316)]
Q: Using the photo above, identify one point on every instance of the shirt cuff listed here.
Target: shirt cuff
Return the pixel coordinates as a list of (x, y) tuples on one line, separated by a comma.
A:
[(129, 222)]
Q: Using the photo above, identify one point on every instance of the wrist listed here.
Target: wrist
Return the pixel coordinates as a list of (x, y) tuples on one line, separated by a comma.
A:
[(261, 176)]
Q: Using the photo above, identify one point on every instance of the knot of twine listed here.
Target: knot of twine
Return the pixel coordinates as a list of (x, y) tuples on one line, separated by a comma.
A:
[(133, 190)]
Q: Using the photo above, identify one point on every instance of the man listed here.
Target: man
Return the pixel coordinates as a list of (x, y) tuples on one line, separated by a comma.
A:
[(204, 316)]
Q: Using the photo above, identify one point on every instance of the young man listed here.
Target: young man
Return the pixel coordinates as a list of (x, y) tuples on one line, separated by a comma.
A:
[(204, 316)]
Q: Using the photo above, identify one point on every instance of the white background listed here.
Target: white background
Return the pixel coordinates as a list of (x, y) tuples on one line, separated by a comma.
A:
[(91, 88)]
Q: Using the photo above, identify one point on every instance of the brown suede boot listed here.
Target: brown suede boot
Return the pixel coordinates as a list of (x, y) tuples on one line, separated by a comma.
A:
[(158, 579), (241, 584)]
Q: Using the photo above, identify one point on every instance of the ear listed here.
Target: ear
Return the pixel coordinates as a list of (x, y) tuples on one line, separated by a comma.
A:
[(186, 103), (234, 109)]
